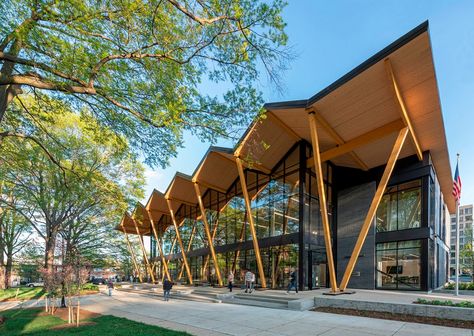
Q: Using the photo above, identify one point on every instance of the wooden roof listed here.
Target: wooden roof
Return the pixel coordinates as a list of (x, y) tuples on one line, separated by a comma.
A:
[(127, 225), (217, 170), (363, 103), (361, 109)]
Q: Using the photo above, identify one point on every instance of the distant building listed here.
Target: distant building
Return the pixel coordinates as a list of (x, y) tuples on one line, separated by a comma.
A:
[(465, 228)]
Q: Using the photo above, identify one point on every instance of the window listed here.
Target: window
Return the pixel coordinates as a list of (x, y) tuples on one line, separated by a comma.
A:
[(398, 265), (468, 211), (400, 207), (468, 218)]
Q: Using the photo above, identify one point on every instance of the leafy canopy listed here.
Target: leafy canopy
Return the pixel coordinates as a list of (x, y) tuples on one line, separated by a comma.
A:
[(140, 66)]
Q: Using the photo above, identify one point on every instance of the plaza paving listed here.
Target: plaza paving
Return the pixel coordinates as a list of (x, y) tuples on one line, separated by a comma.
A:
[(200, 318)]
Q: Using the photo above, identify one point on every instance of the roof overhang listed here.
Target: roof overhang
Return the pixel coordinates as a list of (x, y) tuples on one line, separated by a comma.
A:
[(359, 114)]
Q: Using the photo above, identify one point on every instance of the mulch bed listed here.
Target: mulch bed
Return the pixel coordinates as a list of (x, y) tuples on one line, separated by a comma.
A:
[(398, 317), (62, 313)]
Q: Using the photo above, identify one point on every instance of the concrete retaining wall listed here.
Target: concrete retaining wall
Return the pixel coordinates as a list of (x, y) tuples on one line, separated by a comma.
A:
[(452, 313)]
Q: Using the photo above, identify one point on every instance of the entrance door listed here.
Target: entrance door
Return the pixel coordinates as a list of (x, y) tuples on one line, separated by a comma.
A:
[(317, 276)]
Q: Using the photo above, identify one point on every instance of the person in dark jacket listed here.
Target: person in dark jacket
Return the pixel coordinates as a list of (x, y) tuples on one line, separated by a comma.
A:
[(110, 286), (167, 286), (292, 281)]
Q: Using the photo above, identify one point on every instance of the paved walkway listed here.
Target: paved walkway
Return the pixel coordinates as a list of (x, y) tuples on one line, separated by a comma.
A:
[(209, 319)]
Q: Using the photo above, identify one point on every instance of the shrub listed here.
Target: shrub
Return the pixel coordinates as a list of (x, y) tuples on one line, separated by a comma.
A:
[(90, 286), (462, 285), (449, 303)]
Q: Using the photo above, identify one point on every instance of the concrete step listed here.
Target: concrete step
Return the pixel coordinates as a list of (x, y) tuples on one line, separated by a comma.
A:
[(178, 294), (263, 298), (257, 303)]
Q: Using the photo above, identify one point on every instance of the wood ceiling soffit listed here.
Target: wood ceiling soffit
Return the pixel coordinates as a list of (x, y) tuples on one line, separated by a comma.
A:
[(336, 137)]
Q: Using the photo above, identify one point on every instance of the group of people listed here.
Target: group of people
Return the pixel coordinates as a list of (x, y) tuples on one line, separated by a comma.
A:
[(249, 278), (250, 281)]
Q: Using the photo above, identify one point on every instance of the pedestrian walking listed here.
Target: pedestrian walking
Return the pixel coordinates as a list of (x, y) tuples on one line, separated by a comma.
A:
[(249, 280), (293, 281), (230, 280), (110, 286), (167, 286)]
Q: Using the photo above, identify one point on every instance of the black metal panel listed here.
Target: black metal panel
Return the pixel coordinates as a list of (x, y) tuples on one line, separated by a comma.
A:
[(408, 234)]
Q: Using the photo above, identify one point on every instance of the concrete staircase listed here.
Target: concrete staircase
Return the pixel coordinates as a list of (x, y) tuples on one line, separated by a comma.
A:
[(211, 295), (186, 294)]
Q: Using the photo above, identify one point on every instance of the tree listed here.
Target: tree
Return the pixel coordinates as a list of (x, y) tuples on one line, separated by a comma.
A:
[(466, 255), (15, 236), (94, 173), (140, 66)]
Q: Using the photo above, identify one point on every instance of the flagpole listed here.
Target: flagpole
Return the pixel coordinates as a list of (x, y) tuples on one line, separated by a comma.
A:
[(457, 239)]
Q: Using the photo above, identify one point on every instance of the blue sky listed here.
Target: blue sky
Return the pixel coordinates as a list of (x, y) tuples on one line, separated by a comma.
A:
[(332, 37)]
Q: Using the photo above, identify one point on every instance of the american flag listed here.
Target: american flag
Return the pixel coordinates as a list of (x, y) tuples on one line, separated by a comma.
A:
[(457, 184)]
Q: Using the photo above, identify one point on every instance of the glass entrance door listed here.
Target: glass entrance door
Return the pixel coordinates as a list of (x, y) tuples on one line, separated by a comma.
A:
[(317, 276)]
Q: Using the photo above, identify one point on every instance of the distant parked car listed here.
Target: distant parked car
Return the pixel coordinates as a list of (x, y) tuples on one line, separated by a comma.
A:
[(98, 281), (35, 284), (462, 278)]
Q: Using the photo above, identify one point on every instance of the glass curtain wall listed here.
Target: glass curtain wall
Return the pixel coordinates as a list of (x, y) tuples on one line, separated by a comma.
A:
[(400, 207), (276, 211), (399, 265)]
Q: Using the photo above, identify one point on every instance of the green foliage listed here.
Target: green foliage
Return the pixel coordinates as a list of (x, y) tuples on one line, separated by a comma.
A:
[(30, 321), (79, 186), (140, 66), (462, 285), (463, 304), (90, 287)]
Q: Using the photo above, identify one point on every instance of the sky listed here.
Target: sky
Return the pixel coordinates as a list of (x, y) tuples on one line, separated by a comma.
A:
[(330, 38)]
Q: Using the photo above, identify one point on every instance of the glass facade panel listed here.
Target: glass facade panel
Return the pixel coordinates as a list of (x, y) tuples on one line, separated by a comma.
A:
[(398, 265), (400, 207)]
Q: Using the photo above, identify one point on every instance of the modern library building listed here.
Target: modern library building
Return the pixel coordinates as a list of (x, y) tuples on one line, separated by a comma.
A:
[(351, 188)]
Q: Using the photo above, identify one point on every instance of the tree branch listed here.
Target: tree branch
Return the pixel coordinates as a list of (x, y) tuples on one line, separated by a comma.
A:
[(38, 65), (200, 20)]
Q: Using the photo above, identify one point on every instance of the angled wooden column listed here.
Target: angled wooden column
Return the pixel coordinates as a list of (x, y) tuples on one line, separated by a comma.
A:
[(322, 199), (402, 106), (178, 236), (134, 260), (253, 231), (145, 257), (162, 256), (397, 147), (190, 243), (213, 236), (208, 232)]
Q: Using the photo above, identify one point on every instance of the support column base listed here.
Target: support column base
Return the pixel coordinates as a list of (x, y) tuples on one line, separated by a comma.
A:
[(331, 293)]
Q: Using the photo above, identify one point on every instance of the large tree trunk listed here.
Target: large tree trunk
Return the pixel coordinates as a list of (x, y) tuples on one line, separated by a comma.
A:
[(8, 92), (8, 270), (2, 260), (2, 277), (49, 252)]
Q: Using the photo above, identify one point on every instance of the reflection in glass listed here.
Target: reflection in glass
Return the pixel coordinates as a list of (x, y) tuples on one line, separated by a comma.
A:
[(398, 265), (400, 207)]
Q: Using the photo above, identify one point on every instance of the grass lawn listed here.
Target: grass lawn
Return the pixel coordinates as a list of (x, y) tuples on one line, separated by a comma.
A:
[(31, 293), (31, 322), (24, 293)]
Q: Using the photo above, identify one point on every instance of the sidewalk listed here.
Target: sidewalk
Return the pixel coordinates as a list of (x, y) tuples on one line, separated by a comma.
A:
[(212, 319)]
